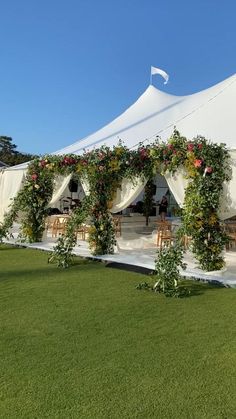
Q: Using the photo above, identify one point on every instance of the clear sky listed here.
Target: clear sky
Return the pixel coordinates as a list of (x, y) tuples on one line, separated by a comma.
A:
[(69, 67)]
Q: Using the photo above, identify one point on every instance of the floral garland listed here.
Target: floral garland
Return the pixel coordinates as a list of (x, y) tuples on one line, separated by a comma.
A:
[(105, 170), (205, 165)]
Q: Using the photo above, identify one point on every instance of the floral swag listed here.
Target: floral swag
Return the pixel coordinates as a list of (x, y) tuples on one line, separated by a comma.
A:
[(206, 168)]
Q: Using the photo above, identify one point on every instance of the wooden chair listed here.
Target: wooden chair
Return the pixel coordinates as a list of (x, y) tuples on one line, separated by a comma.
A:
[(164, 234), (117, 225), (80, 233), (83, 231), (49, 223), (86, 228), (230, 230), (59, 226), (186, 240)]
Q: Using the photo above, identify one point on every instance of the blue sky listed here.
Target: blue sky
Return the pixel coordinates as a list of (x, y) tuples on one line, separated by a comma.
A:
[(70, 67)]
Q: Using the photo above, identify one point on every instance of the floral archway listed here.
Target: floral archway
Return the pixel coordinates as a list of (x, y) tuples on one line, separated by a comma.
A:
[(205, 166)]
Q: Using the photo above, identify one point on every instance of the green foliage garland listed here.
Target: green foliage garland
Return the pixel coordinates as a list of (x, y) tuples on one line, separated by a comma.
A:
[(62, 254), (205, 165), (33, 201), (167, 270)]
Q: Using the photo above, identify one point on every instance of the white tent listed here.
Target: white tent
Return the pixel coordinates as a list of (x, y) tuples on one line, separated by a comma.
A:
[(210, 113)]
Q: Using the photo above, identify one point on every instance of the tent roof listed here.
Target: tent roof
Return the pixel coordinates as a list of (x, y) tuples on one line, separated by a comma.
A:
[(210, 113)]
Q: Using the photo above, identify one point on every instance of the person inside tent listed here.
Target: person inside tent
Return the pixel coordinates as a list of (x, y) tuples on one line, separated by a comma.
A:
[(163, 208)]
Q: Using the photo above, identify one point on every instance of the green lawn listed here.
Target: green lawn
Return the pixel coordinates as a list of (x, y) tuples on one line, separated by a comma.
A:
[(84, 343)]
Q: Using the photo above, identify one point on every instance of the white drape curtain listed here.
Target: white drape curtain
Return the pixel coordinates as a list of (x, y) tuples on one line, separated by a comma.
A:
[(125, 195), (10, 184), (60, 184), (85, 185), (228, 199), (177, 184)]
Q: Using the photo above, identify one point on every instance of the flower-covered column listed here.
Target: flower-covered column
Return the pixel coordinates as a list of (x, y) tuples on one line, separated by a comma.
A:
[(206, 167), (33, 200)]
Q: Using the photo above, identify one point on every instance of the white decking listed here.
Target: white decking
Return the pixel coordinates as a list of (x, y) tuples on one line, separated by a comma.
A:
[(137, 247)]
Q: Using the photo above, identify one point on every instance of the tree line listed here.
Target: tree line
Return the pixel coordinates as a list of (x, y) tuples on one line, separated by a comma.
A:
[(9, 153)]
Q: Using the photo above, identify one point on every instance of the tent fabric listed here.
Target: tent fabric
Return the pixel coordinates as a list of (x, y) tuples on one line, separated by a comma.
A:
[(12, 181), (228, 199), (177, 184), (125, 195), (60, 185), (210, 113), (128, 192), (10, 184)]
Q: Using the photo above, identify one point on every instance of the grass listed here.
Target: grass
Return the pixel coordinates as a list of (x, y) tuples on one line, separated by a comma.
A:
[(84, 343)]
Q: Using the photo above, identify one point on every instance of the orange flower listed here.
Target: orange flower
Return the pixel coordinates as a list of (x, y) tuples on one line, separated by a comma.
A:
[(198, 163)]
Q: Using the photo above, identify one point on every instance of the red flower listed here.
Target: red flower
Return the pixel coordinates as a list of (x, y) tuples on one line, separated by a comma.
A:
[(143, 153), (199, 146), (190, 147), (198, 163), (34, 176), (68, 161)]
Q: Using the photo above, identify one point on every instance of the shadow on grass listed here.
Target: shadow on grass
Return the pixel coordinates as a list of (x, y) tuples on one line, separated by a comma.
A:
[(194, 287), (129, 268), (47, 271), (185, 289), (197, 287), (10, 247)]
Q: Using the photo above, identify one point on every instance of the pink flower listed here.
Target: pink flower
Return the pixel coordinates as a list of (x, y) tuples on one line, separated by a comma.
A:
[(68, 160), (143, 153), (208, 169), (190, 147), (170, 146), (43, 163), (198, 163), (34, 176), (65, 160)]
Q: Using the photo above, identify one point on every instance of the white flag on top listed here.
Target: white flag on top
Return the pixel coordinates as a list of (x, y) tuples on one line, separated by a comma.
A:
[(155, 70)]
